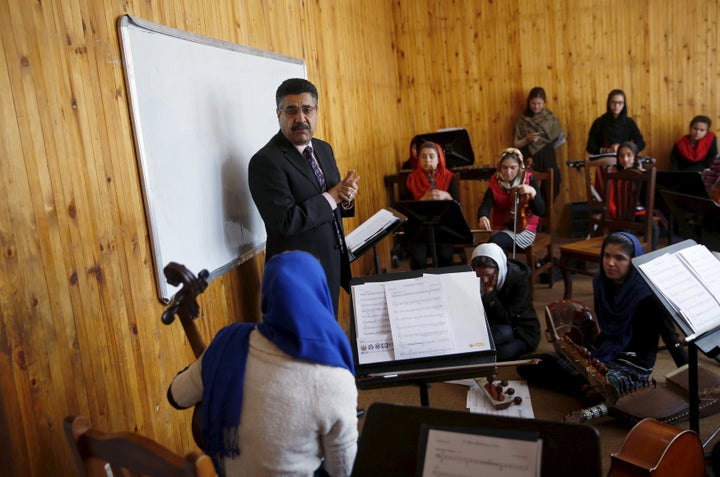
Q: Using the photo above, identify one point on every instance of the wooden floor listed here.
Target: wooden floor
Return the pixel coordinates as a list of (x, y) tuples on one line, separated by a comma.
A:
[(547, 405)]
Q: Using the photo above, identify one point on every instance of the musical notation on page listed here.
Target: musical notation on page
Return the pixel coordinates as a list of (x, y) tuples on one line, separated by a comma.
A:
[(689, 280), (431, 315), (466, 453), (372, 228)]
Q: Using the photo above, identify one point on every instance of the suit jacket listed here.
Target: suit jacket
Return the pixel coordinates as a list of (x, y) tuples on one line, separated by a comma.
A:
[(296, 215)]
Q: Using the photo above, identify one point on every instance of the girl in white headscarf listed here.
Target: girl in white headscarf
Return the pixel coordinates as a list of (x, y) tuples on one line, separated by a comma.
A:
[(505, 289)]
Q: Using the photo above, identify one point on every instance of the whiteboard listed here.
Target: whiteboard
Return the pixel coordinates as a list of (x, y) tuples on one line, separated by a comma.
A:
[(200, 109)]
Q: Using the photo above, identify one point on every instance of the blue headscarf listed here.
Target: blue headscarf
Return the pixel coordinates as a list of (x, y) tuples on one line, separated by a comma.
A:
[(298, 317), (615, 306)]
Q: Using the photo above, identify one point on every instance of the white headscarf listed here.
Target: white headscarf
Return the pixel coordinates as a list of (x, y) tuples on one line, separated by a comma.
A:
[(493, 251)]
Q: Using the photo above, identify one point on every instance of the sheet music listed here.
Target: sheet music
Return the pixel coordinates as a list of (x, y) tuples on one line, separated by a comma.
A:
[(365, 232), (465, 454), (374, 340), (702, 263), (692, 300), (419, 317), (462, 294)]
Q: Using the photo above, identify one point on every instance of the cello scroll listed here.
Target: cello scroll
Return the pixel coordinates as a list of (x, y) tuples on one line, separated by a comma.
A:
[(184, 303)]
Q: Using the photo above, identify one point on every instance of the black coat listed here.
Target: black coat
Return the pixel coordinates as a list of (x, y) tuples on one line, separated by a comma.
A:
[(512, 304)]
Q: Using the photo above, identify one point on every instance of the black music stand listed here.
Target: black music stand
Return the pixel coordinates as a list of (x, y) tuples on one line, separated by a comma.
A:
[(708, 342), (435, 221), (681, 182), (455, 143), (697, 218), (390, 440)]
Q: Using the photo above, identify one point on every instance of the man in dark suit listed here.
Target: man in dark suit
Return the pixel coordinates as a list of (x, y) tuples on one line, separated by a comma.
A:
[(299, 192)]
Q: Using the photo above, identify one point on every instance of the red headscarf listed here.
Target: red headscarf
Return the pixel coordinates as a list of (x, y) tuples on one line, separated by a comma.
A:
[(697, 153), (418, 183)]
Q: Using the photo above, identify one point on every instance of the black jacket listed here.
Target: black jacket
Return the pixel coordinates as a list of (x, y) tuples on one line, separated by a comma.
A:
[(512, 304)]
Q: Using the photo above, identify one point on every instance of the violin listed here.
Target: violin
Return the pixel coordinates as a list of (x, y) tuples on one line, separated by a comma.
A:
[(185, 306), (519, 208)]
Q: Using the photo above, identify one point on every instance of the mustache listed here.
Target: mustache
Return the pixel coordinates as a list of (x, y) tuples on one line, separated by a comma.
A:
[(299, 126)]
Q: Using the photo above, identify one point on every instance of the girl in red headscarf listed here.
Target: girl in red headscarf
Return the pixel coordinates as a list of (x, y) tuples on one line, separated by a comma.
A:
[(697, 150), (431, 180)]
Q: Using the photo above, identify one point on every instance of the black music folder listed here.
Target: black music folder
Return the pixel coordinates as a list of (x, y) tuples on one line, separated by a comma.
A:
[(422, 325), (683, 182), (391, 439), (370, 232)]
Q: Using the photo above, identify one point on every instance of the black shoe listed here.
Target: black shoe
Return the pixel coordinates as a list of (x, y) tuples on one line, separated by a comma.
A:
[(360, 412)]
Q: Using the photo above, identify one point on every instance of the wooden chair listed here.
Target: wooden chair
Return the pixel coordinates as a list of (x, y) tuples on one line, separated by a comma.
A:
[(99, 454), (541, 251), (594, 165), (630, 188)]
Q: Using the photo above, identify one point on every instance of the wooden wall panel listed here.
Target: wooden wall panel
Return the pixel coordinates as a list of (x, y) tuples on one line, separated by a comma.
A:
[(80, 327)]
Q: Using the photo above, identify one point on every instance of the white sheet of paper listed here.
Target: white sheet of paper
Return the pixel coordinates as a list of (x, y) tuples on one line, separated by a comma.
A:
[(478, 403), (364, 233), (418, 317), (466, 310), (462, 454), (374, 340), (703, 265)]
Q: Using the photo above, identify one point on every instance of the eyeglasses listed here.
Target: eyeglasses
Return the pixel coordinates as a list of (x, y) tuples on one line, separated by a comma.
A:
[(294, 110)]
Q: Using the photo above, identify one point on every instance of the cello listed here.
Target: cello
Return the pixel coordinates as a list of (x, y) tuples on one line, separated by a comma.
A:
[(184, 305), (653, 448)]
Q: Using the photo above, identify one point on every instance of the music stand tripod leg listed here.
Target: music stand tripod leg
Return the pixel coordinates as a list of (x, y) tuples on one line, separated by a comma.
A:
[(424, 394)]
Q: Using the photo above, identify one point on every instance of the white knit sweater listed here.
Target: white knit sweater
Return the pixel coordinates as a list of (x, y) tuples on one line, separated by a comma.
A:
[(294, 414)]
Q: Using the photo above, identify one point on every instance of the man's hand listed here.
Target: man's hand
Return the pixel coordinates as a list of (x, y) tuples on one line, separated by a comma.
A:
[(346, 190)]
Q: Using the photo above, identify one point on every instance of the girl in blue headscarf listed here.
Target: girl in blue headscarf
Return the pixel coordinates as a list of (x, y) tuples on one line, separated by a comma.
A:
[(631, 320), (278, 397)]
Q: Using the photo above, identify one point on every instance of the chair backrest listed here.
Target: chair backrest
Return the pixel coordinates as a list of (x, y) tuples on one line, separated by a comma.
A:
[(99, 454), (629, 188), (546, 183), (596, 168)]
